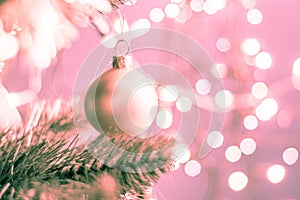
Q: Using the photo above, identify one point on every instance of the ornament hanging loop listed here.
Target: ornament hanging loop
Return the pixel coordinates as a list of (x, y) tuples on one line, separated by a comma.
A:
[(122, 47)]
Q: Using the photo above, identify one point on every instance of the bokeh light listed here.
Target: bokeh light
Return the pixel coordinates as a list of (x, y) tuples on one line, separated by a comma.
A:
[(263, 60), (209, 9), (192, 168), (249, 4), (203, 87), (9, 46), (168, 93), (197, 5), (290, 156), (215, 139), (156, 14), (267, 109), (182, 153), (184, 104), (284, 119), (223, 45), (254, 16), (248, 146), (296, 67), (220, 70), (237, 181), (260, 90), (172, 10), (250, 122), (251, 46), (164, 119), (276, 174), (224, 99), (13, 100), (142, 23), (233, 154)]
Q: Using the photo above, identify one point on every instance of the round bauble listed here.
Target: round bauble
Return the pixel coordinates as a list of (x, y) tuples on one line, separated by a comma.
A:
[(123, 99)]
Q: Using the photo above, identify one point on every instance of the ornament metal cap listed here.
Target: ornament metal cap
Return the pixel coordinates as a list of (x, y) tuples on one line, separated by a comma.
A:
[(122, 62)]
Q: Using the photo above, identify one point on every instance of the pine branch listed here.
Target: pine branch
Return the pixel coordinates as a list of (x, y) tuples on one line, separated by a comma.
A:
[(45, 157)]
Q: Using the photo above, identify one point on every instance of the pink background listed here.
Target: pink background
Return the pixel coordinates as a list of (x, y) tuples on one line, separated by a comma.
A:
[(279, 34)]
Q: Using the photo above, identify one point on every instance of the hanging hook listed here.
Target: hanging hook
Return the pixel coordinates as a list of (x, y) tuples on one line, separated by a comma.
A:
[(122, 41)]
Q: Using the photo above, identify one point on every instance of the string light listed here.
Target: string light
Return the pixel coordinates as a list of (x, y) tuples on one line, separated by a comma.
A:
[(276, 174), (197, 5), (263, 60), (164, 119), (172, 10), (9, 46), (290, 156), (251, 46), (224, 99), (248, 146), (220, 70), (157, 15), (254, 16), (233, 154), (223, 45), (215, 139), (192, 168), (250, 122), (184, 104), (203, 87), (259, 90), (267, 109), (237, 181), (168, 93)]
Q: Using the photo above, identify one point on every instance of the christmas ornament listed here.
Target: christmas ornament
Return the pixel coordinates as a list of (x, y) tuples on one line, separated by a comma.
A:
[(123, 98)]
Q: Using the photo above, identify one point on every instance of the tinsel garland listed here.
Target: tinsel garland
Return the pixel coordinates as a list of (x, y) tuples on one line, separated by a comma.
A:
[(46, 160)]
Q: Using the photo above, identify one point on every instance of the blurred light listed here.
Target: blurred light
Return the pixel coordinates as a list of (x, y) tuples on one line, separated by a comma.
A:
[(259, 90), (296, 67), (203, 87), (176, 1), (184, 104), (1, 66), (168, 93), (157, 14), (276, 174), (121, 26), (223, 45), (250, 122), (251, 46), (248, 4), (9, 46), (197, 5), (192, 168), (267, 109), (224, 99), (254, 16), (164, 119), (233, 154), (13, 100), (290, 156), (141, 23), (182, 153), (284, 119), (172, 10), (216, 4), (263, 60), (237, 181), (220, 70), (215, 139), (248, 146), (209, 9)]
